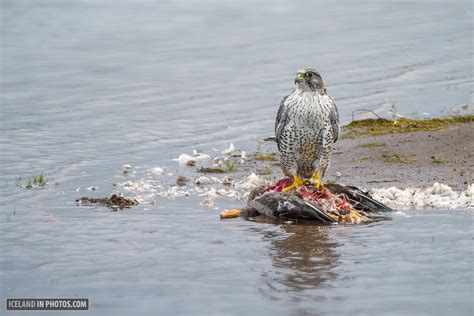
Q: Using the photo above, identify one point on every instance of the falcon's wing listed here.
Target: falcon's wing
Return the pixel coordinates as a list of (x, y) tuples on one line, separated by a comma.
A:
[(334, 120), (280, 120)]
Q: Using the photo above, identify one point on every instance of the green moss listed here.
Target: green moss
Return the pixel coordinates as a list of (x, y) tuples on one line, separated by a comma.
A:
[(374, 144), (210, 170), (266, 158), (363, 158), (373, 127), (268, 170), (436, 160), (37, 181), (395, 158)]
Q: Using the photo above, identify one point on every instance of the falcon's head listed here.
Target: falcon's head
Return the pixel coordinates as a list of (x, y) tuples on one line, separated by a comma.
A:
[(309, 79)]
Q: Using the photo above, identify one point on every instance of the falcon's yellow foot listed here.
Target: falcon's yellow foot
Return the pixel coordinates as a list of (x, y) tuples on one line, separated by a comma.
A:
[(318, 183), (297, 182)]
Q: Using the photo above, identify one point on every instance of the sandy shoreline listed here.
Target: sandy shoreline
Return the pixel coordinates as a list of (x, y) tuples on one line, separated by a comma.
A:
[(408, 159)]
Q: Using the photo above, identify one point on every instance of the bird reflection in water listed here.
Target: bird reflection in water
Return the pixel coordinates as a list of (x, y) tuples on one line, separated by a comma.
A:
[(303, 257)]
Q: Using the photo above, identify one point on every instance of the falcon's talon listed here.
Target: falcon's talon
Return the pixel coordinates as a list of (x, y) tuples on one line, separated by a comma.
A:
[(297, 182), (318, 183)]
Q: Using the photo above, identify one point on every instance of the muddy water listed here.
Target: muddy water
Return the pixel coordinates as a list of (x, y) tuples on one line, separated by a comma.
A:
[(90, 86)]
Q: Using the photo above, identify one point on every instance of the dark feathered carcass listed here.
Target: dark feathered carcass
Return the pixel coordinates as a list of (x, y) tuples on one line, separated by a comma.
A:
[(334, 204)]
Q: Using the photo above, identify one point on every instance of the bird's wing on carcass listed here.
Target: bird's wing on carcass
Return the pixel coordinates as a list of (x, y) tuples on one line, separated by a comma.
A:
[(321, 213), (285, 205), (359, 199)]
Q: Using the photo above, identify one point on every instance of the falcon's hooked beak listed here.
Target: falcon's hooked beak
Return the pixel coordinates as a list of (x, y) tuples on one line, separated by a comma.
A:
[(299, 77)]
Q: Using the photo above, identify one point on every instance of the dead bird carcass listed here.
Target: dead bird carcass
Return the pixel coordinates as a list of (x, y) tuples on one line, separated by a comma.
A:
[(335, 203)]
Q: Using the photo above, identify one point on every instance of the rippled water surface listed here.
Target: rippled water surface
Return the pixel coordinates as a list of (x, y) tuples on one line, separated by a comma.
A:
[(88, 86)]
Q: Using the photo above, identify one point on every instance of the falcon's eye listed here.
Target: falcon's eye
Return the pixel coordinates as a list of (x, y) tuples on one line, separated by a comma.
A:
[(309, 74)]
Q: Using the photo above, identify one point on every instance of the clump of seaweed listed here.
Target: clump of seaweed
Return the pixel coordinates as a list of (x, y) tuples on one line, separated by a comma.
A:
[(114, 202), (380, 126), (37, 181), (211, 170)]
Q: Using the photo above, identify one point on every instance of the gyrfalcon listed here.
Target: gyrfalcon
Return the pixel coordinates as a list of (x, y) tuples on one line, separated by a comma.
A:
[(306, 127)]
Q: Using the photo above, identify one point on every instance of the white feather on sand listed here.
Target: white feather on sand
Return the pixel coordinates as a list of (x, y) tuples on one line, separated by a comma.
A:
[(185, 159), (436, 196), (229, 150)]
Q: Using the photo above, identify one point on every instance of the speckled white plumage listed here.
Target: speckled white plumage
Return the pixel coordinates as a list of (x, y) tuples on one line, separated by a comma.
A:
[(307, 125)]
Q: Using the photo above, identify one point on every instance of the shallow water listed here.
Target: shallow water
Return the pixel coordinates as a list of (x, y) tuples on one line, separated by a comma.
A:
[(90, 86), (183, 260)]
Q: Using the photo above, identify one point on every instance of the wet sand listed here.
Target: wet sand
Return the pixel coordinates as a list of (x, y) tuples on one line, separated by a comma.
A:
[(409, 159)]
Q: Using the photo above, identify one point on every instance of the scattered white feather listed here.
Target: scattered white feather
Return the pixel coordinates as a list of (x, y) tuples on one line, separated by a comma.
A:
[(203, 180), (229, 150), (157, 171), (213, 192), (144, 190), (229, 193), (210, 193), (140, 185), (251, 182), (174, 192), (185, 159), (227, 181), (436, 196), (208, 203), (50, 218)]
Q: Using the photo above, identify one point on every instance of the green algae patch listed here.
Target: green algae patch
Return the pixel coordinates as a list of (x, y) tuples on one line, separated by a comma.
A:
[(374, 127), (210, 170), (374, 144), (396, 158), (436, 160), (266, 158), (363, 158), (34, 182)]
